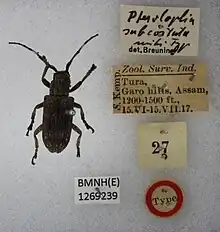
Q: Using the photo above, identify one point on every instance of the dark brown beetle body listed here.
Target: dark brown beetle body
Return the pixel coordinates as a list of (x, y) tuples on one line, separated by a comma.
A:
[(58, 108), (57, 122)]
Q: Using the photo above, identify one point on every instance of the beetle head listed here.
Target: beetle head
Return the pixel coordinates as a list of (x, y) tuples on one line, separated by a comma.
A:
[(60, 84)]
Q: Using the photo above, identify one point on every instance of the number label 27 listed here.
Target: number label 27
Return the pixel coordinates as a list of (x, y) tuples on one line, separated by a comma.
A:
[(160, 148)]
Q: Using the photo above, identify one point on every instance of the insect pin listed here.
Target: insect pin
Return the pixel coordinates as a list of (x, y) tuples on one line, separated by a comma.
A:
[(58, 107)]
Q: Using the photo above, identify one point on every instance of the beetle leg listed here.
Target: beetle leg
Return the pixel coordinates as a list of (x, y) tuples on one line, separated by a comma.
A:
[(78, 131), (76, 105), (33, 117), (43, 79), (37, 131), (77, 85)]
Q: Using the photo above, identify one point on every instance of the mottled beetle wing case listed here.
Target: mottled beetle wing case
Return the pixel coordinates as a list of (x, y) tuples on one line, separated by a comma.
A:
[(57, 130)]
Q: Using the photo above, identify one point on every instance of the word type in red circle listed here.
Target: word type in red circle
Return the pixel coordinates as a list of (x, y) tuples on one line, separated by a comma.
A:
[(164, 198)]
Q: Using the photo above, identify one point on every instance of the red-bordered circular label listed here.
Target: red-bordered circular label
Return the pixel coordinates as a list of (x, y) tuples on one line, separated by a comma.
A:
[(164, 198)]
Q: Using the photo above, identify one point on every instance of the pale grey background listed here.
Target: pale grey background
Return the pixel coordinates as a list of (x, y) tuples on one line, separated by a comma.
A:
[(41, 198)]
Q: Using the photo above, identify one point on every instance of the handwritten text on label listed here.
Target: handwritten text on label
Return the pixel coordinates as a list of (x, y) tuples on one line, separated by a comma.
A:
[(159, 30)]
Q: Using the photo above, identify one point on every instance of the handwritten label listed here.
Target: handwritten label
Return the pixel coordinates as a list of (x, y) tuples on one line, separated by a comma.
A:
[(163, 31), (162, 145), (97, 190), (160, 89)]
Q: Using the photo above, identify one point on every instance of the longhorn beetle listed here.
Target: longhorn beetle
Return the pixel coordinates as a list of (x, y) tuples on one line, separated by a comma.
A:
[(58, 107)]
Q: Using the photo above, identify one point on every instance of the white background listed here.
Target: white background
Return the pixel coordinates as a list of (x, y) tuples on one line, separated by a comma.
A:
[(41, 198)]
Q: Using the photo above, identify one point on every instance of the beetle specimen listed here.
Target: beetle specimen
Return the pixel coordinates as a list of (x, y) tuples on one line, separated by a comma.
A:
[(58, 107)]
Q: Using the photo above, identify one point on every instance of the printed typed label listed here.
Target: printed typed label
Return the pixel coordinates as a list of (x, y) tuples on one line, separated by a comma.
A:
[(97, 190), (160, 89), (162, 145), (164, 31), (164, 198)]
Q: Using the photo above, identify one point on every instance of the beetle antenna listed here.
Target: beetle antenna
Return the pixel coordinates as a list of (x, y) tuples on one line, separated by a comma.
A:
[(41, 57), (70, 62)]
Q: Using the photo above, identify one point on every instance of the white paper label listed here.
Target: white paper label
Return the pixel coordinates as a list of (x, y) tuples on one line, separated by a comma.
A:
[(148, 30), (160, 89), (97, 190), (162, 145)]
